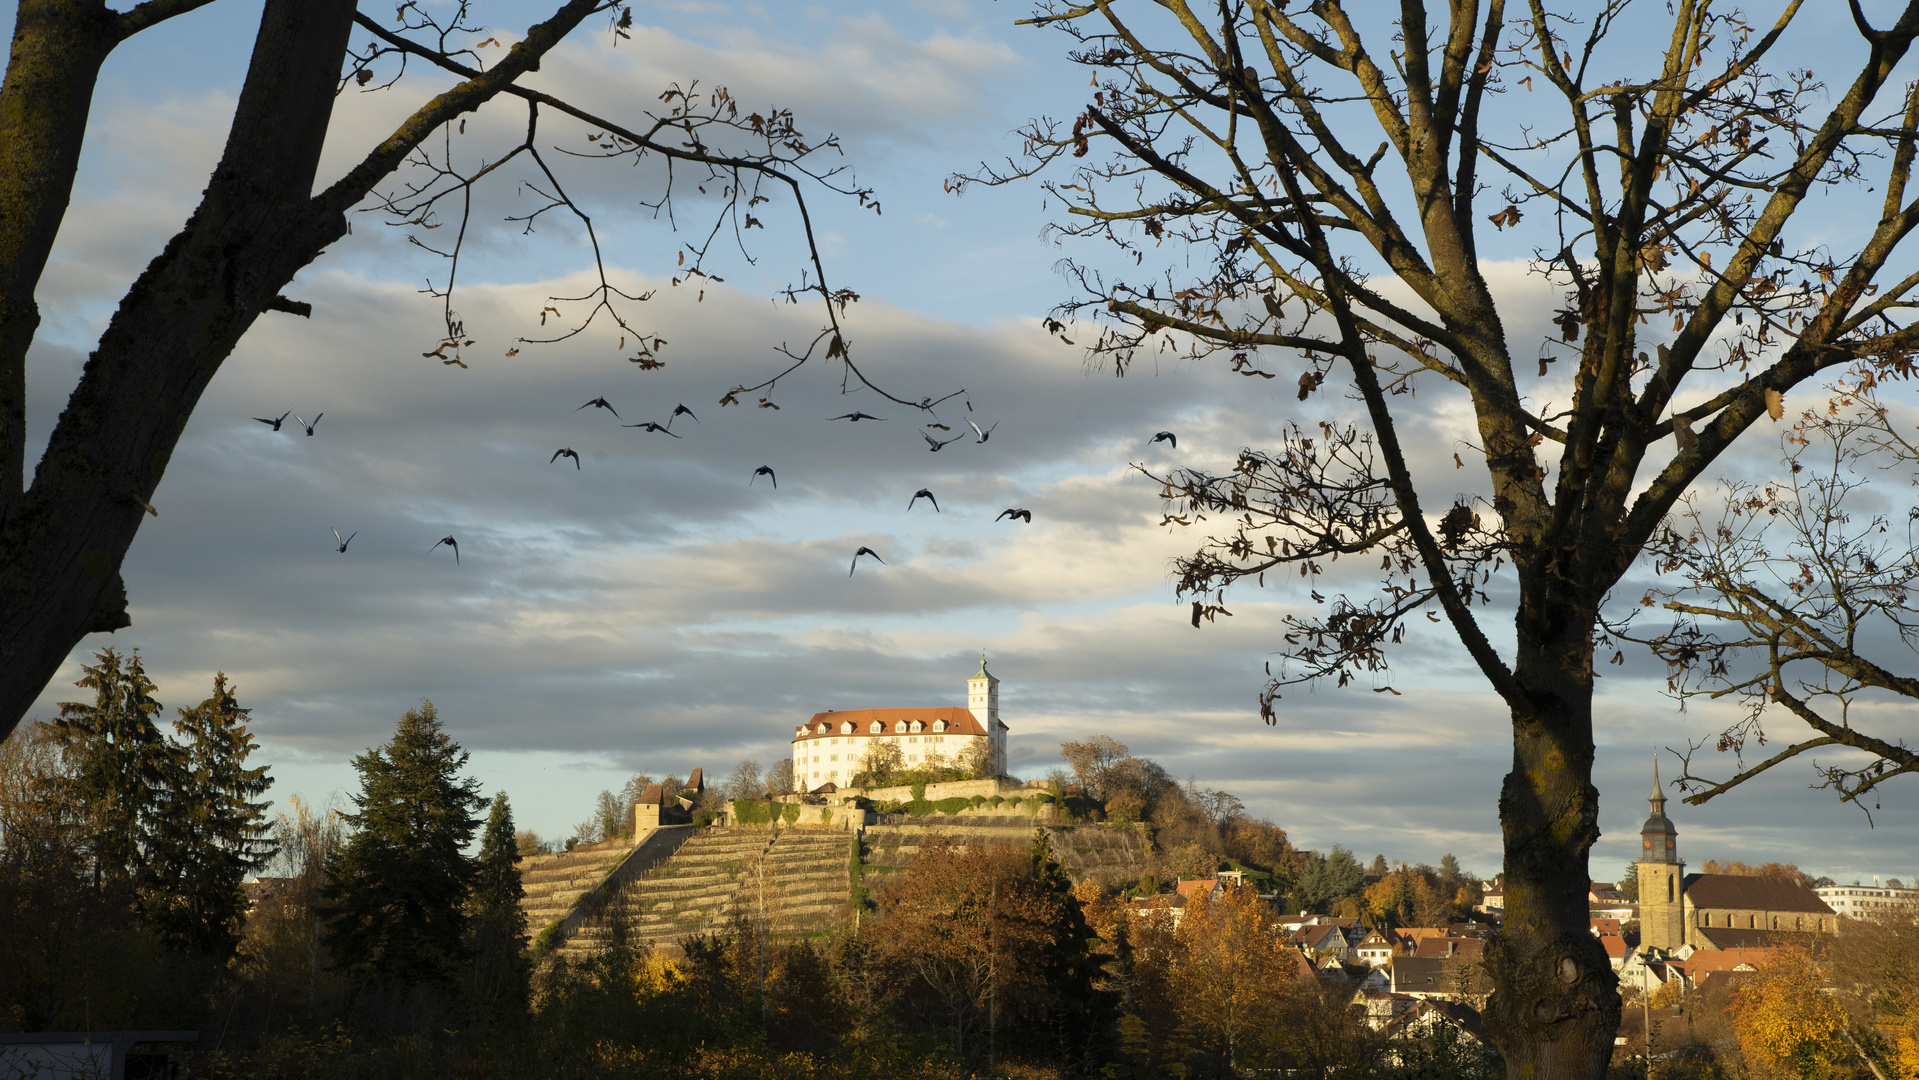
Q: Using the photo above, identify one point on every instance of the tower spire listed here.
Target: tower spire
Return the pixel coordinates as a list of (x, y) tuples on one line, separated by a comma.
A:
[(1658, 798)]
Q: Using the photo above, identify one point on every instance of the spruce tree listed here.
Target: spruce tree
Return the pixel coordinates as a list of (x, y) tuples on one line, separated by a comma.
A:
[(117, 762), (498, 925), (209, 830), (397, 900)]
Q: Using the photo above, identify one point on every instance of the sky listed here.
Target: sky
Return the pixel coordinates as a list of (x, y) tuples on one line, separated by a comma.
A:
[(650, 610)]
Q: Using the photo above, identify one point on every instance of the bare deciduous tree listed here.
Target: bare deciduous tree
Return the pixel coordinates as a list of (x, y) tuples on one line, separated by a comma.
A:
[(1658, 188), (261, 220), (1792, 594)]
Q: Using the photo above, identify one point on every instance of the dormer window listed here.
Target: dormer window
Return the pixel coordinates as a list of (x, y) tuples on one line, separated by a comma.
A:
[(900, 727), (877, 727), (939, 725), (846, 728)]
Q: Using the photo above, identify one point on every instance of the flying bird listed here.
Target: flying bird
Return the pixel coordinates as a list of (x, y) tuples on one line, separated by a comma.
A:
[(449, 542), (651, 426), (276, 423), (681, 410), (1165, 437), (600, 402), (766, 471), (565, 451), (856, 559), (934, 445), (304, 424), (924, 493), (348, 540), (856, 417), (983, 435), (1016, 514)]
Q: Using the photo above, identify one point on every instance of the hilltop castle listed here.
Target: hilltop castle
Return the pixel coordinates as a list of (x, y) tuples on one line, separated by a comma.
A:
[(1715, 911), (829, 748)]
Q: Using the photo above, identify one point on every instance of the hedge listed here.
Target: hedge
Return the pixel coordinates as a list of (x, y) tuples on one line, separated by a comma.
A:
[(919, 791), (753, 812), (790, 812)]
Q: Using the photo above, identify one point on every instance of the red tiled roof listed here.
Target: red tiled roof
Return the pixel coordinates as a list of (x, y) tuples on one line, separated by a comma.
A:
[(1720, 960), (958, 721), (1188, 887), (1755, 893), (1615, 946)]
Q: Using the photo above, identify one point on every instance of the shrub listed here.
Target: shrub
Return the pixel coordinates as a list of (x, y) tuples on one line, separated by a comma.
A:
[(998, 801), (752, 812), (919, 791), (977, 801), (790, 812), (919, 808), (953, 805)]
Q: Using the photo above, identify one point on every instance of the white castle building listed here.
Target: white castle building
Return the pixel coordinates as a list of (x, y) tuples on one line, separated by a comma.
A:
[(829, 748)]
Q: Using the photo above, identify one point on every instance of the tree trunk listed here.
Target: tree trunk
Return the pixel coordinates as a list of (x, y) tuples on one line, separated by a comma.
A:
[(1555, 1006), (58, 47), (61, 548)]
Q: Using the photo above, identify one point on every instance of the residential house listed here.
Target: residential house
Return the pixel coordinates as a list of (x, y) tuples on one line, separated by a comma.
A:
[(1376, 951), (1421, 976), (1382, 1006), (1494, 901), (1605, 901)]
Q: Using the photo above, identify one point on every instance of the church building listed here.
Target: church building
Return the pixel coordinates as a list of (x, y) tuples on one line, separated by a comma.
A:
[(830, 747), (1716, 911)]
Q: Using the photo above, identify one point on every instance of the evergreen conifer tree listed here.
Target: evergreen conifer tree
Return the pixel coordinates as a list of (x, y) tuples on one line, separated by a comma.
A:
[(208, 829), (498, 923), (117, 762), (399, 886)]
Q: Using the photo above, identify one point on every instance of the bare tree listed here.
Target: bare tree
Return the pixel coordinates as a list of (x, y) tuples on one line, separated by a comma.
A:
[(260, 221), (1655, 187), (746, 781), (1094, 761), (1790, 596), (779, 778)]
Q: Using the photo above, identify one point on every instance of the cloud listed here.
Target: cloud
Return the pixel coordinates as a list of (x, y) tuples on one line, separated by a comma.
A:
[(651, 610)]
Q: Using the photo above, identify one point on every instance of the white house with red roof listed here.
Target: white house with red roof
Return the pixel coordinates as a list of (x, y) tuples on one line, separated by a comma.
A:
[(829, 747)]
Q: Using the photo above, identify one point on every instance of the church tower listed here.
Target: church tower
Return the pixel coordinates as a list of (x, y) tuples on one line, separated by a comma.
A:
[(1662, 876), (982, 698)]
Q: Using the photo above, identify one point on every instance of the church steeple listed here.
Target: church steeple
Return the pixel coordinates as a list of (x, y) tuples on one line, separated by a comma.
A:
[(1662, 875), (1658, 839)]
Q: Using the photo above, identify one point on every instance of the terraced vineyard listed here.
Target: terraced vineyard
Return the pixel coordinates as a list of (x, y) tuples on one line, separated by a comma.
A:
[(796, 878)]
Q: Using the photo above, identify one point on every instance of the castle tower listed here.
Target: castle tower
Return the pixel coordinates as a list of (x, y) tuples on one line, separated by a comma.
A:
[(982, 698), (1662, 876)]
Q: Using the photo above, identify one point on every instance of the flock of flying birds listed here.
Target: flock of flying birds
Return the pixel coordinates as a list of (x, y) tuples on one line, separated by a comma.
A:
[(1013, 513)]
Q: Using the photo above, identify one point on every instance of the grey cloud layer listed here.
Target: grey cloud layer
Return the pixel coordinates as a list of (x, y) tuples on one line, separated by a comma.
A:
[(651, 610)]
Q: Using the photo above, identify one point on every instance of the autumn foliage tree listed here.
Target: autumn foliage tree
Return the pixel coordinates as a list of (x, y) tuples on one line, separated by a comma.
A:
[(1785, 1020), (1323, 189), (1232, 974), (982, 938)]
